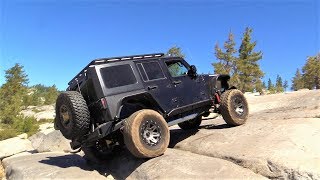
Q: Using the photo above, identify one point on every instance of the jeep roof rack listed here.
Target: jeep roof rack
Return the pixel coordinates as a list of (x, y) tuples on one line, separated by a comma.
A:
[(112, 59)]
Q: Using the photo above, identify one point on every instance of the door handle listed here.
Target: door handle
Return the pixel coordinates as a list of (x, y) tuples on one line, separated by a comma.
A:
[(176, 82), (152, 87)]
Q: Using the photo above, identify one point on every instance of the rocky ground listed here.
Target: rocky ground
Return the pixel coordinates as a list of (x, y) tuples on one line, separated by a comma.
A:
[(39, 113), (279, 141)]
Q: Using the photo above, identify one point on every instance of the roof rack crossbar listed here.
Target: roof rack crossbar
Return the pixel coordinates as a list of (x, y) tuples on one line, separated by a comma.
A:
[(112, 59)]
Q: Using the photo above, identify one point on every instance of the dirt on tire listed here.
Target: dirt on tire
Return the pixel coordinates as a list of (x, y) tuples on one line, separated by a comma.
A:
[(228, 107), (132, 134)]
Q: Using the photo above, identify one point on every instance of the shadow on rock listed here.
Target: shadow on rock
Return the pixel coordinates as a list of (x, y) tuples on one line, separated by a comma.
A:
[(212, 126), (119, 164), (178, 135), (66, 161)]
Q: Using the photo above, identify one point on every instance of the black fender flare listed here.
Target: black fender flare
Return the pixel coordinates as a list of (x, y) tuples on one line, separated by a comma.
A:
[(145, 99)]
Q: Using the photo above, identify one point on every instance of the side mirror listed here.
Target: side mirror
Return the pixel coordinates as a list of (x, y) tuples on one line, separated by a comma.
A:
[(192, 71)]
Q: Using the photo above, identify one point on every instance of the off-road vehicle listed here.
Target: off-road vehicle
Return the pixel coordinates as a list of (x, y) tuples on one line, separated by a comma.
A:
[(132, 100)]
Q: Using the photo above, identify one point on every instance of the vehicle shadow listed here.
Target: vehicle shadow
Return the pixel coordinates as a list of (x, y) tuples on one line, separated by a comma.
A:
[(213, 126), (178, 135), (66, 161), (119, 164)]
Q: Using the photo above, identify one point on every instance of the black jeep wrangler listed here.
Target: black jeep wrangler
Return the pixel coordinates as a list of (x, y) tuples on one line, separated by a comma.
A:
[(133, 100)]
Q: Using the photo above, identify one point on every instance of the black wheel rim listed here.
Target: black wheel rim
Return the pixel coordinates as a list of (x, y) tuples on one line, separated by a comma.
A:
[(238, 106), (150, 133), (65, 116)]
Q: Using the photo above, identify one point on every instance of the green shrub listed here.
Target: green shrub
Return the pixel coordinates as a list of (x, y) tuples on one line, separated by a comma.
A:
[(27, 125), (7, 133)]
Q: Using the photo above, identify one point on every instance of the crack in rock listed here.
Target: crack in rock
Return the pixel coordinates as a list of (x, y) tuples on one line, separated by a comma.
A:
[(266, 168)]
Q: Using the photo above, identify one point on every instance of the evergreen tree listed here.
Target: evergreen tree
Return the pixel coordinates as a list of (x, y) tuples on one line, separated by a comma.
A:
[(270, 86), (311, 72), (285, 85), (12, 93), (249, 70), (279, 85), (51, 95), (175, 51), (297, 81), (264, 86), (227, 60)]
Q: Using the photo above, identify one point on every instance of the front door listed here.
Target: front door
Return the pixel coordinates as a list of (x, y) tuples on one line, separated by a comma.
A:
[(190, 90), (157, 84)]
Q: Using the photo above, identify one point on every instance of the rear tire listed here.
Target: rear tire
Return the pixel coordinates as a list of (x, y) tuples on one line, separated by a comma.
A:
[(191, 124), (72, 115), (146, 134), (234, 107)]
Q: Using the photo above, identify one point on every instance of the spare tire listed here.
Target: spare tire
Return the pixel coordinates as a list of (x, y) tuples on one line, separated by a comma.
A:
[(234, 107), (72, 115)]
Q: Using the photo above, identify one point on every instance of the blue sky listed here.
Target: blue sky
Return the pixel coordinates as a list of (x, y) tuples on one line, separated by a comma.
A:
[(54, 39)]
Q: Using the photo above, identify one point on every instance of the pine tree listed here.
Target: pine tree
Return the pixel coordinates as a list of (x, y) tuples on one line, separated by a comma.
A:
[(279, 85), (175, 51), (51, 95), (249, 70), (285, 85), (227, 59), (12, 93), (270, 86), (297, 81), (264, 86), (311, 72)]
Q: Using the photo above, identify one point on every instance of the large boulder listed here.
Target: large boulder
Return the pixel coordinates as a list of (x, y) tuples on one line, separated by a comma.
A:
[(50, 142), (44, 115), (2, 174), (279, 139), (174, 164), (49, 166), (13, 146), (46, 128)]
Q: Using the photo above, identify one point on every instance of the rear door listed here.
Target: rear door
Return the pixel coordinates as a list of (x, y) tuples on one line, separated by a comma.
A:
[(157, 84)]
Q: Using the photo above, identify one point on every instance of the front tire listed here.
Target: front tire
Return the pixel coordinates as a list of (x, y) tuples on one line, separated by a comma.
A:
[(234, 107), (146, 134), (72, 115)]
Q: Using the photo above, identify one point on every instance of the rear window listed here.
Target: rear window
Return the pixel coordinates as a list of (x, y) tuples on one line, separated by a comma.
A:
[(116, 76)]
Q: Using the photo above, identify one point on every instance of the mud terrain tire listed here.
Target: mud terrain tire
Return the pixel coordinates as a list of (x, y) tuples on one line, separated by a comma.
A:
[(72, 115), (146, 134), (234, 107)]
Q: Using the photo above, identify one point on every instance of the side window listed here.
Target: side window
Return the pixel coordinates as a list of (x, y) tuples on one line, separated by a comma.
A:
[(176, 68), (150, 71), (116, 76), (142, 72)]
